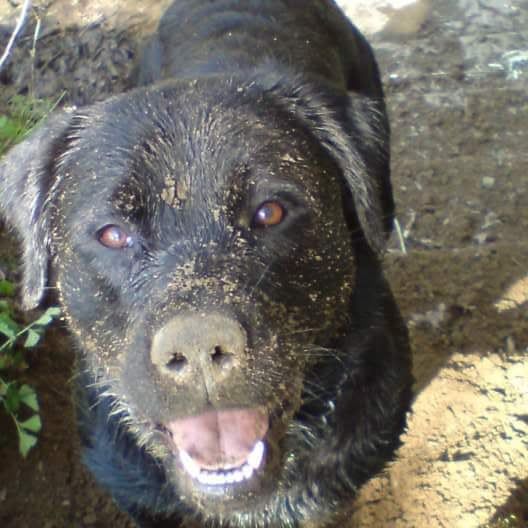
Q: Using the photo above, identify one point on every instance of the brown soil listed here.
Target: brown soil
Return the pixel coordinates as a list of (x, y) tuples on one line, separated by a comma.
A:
[(459, 109)]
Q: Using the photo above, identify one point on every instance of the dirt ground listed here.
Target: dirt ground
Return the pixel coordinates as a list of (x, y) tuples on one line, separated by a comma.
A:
[(458, 98)]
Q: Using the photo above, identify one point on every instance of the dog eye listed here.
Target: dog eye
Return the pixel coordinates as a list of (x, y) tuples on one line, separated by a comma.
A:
[(269, 214), (114, 237)]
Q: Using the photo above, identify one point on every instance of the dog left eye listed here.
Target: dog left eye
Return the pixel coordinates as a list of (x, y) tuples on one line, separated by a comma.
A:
[(268, 214), (114, 237)]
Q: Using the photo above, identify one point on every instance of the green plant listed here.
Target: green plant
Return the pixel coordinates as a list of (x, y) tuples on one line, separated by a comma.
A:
[(20, 116), (19, 400)]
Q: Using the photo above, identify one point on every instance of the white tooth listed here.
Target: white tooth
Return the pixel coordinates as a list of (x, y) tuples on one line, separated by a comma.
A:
[(238, 475), (205, 478), (213, 478), (189, 464), (230, 477), (218, 479), (255, 457), (247, 471)]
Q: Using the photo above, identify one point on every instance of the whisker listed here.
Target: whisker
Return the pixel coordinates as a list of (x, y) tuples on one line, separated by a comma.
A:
[(102, 383), (319, 352), (303, 331), (260, 279)]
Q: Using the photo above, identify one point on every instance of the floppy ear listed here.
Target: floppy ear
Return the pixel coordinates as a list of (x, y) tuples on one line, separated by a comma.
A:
[(354, 129), (356, 133), (25, 178)]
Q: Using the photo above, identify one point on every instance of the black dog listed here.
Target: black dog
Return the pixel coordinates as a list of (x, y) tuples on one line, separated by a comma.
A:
[(214, 237)]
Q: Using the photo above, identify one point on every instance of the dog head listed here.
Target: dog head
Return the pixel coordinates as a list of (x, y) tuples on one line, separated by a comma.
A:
[(205, 238)]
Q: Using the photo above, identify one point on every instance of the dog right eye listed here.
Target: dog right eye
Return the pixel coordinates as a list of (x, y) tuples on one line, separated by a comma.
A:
[(114, 237)]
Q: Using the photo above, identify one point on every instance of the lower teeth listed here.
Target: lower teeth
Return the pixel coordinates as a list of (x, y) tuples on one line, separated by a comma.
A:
[(220, 478)]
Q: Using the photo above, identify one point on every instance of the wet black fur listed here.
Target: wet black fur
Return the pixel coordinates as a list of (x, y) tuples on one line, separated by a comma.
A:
[(226, 91)]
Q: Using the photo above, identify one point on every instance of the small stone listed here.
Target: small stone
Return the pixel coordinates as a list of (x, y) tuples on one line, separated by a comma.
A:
[(488, 182), (481, 238)]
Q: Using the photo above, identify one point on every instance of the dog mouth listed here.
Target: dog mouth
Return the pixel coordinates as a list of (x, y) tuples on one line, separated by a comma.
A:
[(221, 447)]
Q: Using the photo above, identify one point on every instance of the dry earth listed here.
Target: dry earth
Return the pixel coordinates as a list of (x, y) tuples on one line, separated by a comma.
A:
[(458, 96)]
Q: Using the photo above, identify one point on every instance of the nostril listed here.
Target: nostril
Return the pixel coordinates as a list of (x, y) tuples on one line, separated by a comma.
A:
[(177, 362), (220, 357)]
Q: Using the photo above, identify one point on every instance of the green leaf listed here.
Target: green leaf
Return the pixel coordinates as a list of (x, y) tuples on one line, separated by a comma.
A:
[(25, 442), (32, 338), (12, 398), (7, 288), (10, 129), (48, 316), (8, 327), (32, 424), (28, 396)]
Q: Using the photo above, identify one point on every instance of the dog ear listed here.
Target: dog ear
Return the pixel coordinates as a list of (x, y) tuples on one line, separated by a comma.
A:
[(25, 179), (354, 130)]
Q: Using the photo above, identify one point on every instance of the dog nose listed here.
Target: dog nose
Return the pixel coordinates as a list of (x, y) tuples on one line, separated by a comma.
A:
[(212, 344)]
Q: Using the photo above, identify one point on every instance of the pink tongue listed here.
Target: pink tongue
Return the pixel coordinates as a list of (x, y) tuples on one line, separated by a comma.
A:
[(220, 439)]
